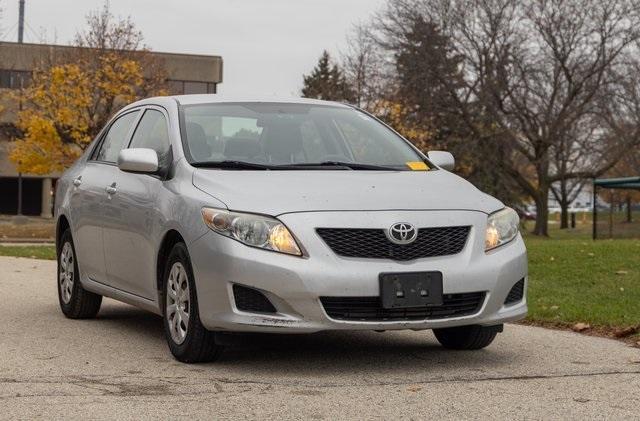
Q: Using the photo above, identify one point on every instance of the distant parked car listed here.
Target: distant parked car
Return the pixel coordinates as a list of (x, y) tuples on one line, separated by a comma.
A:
[(525, 214), (224, 215)]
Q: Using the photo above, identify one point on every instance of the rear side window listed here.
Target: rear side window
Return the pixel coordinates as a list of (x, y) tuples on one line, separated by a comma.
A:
[(116, 138), (153, 133)]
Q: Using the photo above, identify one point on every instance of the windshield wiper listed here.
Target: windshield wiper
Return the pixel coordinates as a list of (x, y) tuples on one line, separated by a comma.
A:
[(349, 165), (233, 165), (243, 165)]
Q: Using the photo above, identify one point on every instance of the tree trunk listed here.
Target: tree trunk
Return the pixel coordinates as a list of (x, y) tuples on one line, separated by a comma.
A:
[(542, 213), (564, 215), (629, 217)]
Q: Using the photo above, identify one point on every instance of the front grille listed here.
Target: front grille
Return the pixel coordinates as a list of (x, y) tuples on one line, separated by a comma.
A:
[(374, 244), (249, 299), (516, 294), (370, 308)]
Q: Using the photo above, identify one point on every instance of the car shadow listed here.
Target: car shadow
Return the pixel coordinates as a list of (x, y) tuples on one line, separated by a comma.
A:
[(321, 354)]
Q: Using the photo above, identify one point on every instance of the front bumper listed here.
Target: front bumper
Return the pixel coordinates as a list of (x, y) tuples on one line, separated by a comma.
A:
[(294, 284)]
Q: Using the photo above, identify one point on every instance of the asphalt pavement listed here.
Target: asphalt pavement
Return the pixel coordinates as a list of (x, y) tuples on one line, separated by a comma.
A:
[(118, 366)]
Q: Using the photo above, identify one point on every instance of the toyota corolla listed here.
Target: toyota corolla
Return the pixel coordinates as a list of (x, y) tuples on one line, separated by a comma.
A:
[(283, 216)]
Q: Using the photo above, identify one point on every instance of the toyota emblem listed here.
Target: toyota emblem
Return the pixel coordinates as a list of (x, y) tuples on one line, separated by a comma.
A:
[(402, 233)]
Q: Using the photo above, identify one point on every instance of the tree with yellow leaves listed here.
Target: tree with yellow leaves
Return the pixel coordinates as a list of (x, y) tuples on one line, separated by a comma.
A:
[(398, 116), (69, 101)]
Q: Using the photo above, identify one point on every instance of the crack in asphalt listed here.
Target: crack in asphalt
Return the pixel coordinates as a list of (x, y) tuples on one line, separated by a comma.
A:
[(130, 389)]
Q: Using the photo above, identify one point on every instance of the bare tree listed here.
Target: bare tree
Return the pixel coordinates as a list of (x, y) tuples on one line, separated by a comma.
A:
[(363, 65), (106, 43), (532, 71)]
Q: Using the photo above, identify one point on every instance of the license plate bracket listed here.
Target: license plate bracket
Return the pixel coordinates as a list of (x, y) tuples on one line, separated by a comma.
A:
[(411, 289)]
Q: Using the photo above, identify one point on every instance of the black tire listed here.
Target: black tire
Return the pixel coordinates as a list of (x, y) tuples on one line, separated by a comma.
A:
[(199, 344), (467, 337), (81, 304)]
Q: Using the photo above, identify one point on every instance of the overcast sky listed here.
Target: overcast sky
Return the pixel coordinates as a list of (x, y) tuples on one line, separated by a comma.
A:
[(266, 44)]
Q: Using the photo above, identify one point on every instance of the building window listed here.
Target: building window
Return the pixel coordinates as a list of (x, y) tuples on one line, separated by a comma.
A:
[(185, 87), (176, 87), (14, 79), (195, 87)]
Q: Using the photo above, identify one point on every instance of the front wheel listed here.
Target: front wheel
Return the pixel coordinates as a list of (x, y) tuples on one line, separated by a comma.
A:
[(467, 337), (189, 341), (75, 301)]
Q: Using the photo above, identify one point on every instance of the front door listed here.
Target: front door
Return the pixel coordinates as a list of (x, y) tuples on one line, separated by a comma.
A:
[(90, 196), (134, 219)]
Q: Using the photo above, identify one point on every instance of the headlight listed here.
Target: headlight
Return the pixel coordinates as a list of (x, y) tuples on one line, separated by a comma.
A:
[(252, 230), (502, 227)]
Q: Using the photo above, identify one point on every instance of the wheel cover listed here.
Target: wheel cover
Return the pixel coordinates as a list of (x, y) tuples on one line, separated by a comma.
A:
[(67, 271), (178, 303)]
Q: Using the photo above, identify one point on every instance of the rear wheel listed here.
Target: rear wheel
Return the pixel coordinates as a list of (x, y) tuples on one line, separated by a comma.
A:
[(467, 337), (75, 301), (189, 341)]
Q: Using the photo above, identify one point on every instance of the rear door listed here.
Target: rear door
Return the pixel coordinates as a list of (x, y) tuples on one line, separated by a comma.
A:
[(89, 197), (130, 238)]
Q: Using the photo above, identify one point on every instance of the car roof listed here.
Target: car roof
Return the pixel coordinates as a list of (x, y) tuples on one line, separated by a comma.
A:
[(217, 98)]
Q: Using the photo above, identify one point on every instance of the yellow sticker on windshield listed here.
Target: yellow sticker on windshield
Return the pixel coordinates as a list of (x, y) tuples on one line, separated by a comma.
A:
[(417, 166)]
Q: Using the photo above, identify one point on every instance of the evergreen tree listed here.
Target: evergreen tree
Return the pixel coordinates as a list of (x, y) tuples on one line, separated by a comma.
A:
[(327, 81), (427, 76)]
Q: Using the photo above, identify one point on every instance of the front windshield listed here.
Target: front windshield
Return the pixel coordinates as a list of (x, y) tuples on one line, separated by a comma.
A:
[(286, 134)]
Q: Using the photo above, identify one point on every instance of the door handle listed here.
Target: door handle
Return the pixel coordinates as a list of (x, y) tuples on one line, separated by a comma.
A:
[(77, 181), (111, 189)]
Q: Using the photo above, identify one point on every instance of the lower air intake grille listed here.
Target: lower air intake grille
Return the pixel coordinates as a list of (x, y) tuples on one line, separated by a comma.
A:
[(374, 244), (516, 294), (249, 299), (370, 308)]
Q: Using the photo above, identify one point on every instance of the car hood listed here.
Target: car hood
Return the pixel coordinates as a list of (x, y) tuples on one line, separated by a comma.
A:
[(278, 192)]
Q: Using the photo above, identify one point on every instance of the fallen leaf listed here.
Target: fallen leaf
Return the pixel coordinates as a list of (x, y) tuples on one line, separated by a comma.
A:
[(414, 388), (621, 272), (581, 400), (590, 254), (554, 307), (622, 289), (581, 327), (552, 258)]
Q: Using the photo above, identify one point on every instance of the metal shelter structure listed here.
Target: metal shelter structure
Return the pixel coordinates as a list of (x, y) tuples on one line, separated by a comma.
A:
[(625, 183)]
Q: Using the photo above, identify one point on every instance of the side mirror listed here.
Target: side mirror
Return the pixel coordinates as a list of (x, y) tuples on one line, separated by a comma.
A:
[(138, 160), (442, 159)]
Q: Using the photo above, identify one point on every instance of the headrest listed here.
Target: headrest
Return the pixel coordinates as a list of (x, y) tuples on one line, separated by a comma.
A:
[(198, 146), (282, 141)]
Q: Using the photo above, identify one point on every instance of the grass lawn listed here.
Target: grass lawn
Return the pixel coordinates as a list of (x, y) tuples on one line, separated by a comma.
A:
[(578, 280), (33, 252)]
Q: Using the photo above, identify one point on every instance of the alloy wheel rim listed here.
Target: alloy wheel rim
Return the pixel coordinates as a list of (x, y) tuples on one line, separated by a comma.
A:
[(66, 276), (178, 303)]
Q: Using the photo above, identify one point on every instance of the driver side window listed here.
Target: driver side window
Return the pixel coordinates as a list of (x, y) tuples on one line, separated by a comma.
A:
[(153, 133)]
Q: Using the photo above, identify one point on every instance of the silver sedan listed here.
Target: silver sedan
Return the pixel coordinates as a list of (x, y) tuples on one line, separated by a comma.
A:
[(226, 215)]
